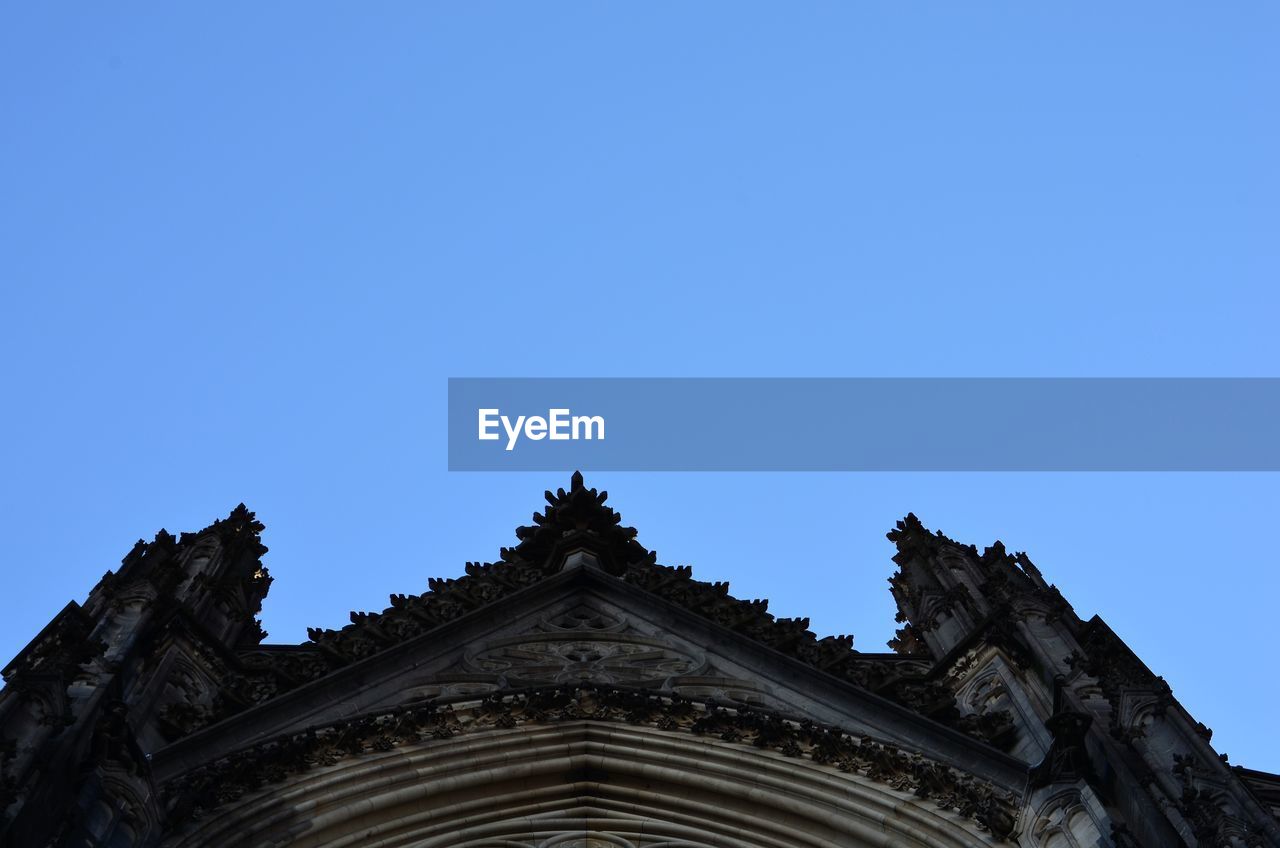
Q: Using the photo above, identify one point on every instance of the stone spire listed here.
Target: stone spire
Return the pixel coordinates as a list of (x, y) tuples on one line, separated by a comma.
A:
[(135, 666)]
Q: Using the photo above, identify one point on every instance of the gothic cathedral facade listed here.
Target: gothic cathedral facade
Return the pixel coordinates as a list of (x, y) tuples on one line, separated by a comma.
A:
[(577, 694)]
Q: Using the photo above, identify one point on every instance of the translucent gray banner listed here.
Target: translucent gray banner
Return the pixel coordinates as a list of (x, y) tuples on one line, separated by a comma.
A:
[(864, 424)]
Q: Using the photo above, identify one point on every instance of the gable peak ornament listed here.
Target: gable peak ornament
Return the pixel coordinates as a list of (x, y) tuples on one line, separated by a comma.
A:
[(578, 520)]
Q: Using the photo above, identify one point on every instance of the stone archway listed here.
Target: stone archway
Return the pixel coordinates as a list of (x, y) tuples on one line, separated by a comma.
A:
[(580, 784)]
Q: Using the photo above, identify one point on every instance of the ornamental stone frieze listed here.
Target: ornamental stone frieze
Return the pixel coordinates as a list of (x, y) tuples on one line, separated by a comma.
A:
[(202, 791)]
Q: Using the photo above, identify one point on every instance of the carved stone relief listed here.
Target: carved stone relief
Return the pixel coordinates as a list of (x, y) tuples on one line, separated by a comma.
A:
[(550, 658), (196, 793), (584, 619), (588, 645), (727, 691), (584, 644), (1066, 821)]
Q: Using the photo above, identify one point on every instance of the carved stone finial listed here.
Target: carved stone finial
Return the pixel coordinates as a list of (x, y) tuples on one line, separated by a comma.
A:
[(577, 518)]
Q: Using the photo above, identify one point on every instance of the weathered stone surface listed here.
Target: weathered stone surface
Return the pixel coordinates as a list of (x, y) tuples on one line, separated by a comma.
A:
[(203, 790)]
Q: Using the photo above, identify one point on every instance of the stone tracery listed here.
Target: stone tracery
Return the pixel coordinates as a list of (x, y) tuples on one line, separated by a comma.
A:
[(526, 661)]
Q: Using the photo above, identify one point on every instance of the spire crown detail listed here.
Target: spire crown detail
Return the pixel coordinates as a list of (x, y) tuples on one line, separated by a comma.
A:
[(577, 518)]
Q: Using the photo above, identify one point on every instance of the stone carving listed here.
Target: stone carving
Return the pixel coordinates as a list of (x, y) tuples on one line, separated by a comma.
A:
[(60, 649), (1068, 758), (452, 689), (584, 619), (1005, 581), (1064, 821), (229, 779), (1123, 679), (1210, 812), (906, 683), (726, 692), (985, 700), (170, 643), (579, 518), (908, 640), (525, 662), (942, 605)]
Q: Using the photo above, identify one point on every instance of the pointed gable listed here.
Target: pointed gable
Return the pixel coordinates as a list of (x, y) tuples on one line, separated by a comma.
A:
[(578, 525)]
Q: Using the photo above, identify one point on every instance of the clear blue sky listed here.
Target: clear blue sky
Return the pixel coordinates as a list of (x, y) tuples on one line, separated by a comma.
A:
[(242, 248)]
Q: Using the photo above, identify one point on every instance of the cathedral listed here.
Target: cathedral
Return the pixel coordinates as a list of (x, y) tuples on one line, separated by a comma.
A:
[(575, 693)]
